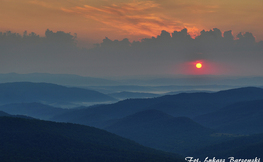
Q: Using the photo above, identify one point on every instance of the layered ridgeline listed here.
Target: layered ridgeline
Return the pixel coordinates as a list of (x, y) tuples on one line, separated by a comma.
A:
[(239, 118), (47, 93), (36, 140), (127, 95), (184, 104), (4, 114), (158, 122), (61, 79), (35, 110), (159, 130)]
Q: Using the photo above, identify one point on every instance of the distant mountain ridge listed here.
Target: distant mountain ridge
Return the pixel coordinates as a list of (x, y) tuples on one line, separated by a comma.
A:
[(184, 104), (128, 95), (61, 79), (4, 114), (35, 110), (170, 122), (19, 92)]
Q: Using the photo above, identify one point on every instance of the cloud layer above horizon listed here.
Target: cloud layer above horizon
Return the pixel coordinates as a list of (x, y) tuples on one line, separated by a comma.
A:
[(166, 54)]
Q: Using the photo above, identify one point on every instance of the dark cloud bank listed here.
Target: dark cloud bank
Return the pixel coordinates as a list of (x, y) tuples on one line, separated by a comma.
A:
[(57, 52)]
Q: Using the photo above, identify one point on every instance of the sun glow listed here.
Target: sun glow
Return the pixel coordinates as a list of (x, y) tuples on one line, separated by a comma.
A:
[(198, 65)]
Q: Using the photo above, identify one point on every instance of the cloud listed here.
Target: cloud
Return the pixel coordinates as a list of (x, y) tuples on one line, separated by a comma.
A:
[(172, 50), (166, 54), (32, 53), (9, 39), (134, 18)]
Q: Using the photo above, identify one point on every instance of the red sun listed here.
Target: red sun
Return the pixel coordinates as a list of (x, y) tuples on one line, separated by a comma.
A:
[(198, 65), (202, 67)]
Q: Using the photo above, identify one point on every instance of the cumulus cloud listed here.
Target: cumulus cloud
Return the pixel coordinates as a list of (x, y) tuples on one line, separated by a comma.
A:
[(212, 40), (166, 54), (31, 53), (60, 39), (172, 50)]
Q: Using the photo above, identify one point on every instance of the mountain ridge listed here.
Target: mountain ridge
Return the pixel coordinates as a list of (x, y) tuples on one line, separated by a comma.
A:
[(18, 92), (159, 130), (61, 79), (184, 104), (239, 118), (35, 110)]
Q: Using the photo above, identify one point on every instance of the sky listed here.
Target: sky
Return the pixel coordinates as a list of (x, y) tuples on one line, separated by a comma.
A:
[(61, 29), (93, 20)]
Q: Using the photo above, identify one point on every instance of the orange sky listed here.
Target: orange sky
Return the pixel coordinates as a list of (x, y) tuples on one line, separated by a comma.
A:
[(93, 20)]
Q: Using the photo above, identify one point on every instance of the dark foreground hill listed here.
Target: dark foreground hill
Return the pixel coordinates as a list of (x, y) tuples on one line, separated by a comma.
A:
[(244, 147), (47, 93), (36, 140), (158, 130), (184, 104), (239, 118)]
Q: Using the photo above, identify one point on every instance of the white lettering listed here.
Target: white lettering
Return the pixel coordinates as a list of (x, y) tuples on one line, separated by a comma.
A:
[(232, 159), (191, 159)]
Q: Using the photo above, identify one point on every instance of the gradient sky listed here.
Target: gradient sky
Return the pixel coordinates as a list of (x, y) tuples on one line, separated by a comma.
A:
[(94, 20)]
